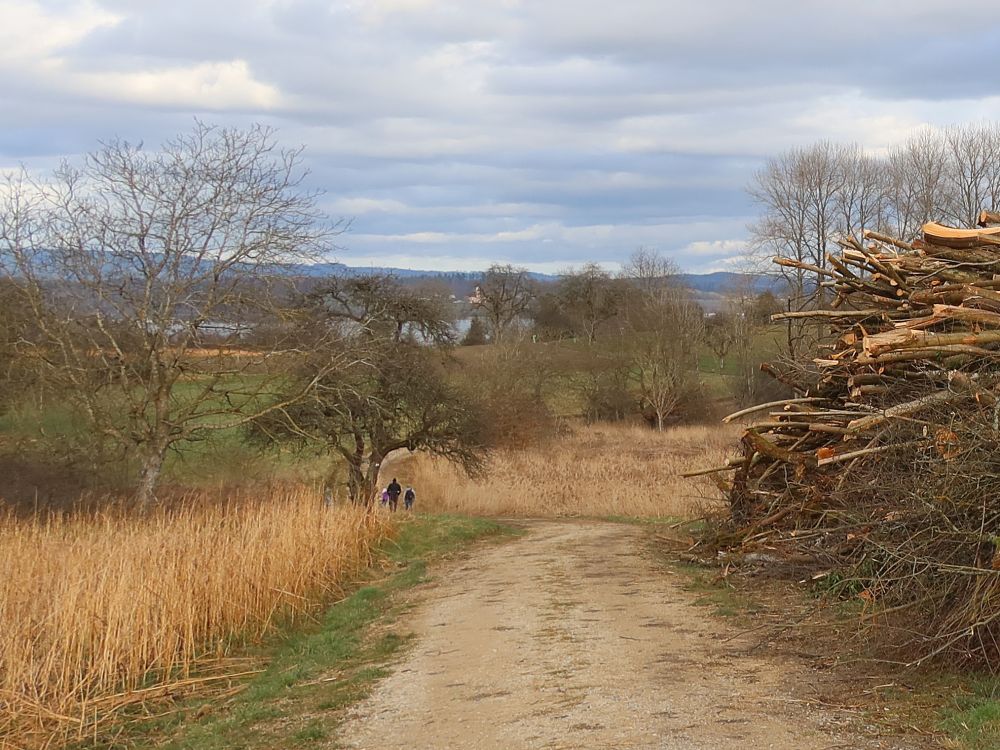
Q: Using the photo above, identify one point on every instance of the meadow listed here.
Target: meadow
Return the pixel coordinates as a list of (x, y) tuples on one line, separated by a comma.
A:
[(603, 470)]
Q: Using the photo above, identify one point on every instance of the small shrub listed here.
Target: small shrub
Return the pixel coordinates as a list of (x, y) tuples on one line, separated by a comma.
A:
[(607, 398), (476, 335)]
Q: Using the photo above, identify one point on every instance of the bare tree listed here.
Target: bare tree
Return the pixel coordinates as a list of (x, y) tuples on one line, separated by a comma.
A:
[(665, 329), (17, 371), (144, 270), (918, 183), (809, 197), (589, 298), (973, 155), (505, 295), (783, 227), (661, 373), (809, 194), (861, 201), (720, 335), (648, 272), (799, 192)]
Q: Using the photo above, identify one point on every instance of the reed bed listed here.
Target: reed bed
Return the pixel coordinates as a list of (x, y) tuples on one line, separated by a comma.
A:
[(598, 470), (97, 610)]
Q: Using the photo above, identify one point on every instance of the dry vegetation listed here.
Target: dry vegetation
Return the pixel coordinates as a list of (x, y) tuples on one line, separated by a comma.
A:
[(96, 610), (882, 478), (600, 470)]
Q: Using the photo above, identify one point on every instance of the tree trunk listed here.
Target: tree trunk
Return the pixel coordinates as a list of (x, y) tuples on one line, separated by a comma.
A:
[(362, 484), (355, 482), (371, 477), (659, 421), (152, 467)]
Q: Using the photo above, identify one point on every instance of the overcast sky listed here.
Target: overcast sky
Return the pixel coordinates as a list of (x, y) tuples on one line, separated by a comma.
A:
[(545, 133)]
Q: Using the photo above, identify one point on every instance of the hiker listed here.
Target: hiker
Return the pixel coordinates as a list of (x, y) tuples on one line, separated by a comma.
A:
[(408, 498), (394, 491), (385, 497)]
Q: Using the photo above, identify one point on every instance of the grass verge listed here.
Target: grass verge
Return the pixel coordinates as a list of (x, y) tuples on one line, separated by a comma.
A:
[(972, 720), (313, 674), (713, 590)]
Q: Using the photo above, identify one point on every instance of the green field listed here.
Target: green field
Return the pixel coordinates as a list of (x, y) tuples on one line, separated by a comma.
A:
[(41, 441)]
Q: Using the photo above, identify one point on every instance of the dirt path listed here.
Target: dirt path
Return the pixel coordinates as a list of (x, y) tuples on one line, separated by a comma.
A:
[(573, 637)]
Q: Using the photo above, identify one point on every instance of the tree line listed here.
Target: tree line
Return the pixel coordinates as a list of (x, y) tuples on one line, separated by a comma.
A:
[(642, 323)]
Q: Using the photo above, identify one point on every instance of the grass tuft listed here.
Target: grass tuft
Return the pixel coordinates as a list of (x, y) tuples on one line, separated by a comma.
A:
[(973, 720)]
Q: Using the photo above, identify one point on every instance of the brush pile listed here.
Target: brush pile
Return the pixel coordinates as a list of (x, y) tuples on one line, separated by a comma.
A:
[(883, 474)]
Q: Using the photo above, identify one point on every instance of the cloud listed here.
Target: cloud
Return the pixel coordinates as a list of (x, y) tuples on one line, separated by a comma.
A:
[(208, 86), (549, 133), (714, 249), (32, 33)]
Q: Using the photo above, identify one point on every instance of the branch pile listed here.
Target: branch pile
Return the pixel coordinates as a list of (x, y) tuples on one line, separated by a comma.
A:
[(884, 472)]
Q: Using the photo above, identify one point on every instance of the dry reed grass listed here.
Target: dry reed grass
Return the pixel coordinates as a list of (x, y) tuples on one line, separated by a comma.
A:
[(95, 609), (598, 470)]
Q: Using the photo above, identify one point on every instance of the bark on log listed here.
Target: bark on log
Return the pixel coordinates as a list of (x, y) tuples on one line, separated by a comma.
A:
[(939, 234), (733, 463), (852, 314), (988, 217), (888, 240), (765, 447), (841, 457), (768, 405), (907, 409), (888, 341), (967, 315), (929, 353)]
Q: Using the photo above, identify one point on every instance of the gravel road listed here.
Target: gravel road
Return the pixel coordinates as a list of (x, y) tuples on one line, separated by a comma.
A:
[(572, 636)]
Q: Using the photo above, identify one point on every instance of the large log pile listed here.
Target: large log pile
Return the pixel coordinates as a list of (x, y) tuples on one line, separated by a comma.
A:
[(884, 470)]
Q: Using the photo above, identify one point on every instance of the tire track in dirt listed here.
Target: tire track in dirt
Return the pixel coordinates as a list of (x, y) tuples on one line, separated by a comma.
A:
[(573, 637)]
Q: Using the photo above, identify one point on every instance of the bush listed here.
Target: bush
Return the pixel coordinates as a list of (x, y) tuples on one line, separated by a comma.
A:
[(606, 397), (697, 406), (515, 419), (476, 335)]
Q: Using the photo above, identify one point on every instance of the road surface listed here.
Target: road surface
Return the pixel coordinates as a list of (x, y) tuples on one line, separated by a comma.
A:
[(573, 636)]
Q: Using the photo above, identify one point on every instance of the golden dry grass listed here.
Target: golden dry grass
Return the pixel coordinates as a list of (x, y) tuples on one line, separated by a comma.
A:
[(95, 608), (600, 470)]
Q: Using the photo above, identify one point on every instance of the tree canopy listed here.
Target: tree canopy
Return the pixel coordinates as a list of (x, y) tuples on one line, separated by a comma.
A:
[(392, 396)]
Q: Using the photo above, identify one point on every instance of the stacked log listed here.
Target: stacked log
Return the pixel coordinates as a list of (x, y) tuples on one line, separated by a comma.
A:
[(882, 465)]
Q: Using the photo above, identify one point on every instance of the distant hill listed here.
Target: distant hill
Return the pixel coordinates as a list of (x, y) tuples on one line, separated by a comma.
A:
[(718, 282), (722, 282), (340, 269)]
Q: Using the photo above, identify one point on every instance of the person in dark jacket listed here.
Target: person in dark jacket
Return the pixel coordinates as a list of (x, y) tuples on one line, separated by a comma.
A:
[(394, 491), (408, 498)]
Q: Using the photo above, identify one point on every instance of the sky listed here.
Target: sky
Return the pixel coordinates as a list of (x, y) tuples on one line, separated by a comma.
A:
[(545, 133)]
